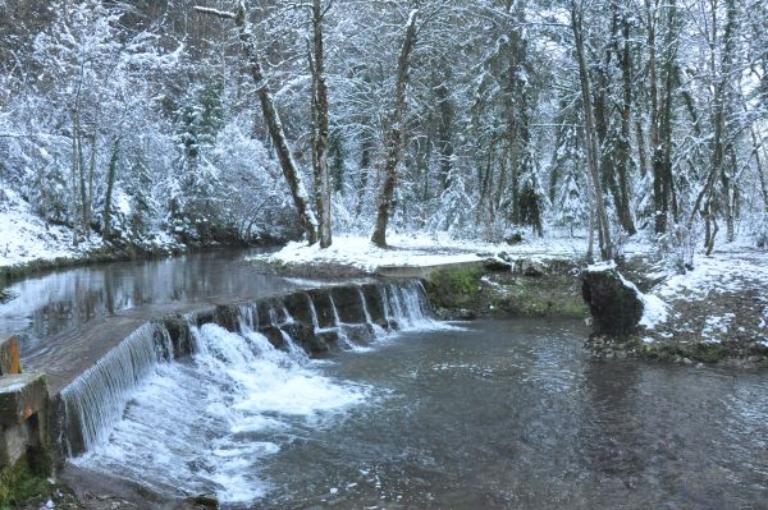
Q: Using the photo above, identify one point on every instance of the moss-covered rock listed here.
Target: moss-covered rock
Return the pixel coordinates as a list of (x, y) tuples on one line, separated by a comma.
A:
[(550, 295), (457, 287), (20, 483), (464, 292)]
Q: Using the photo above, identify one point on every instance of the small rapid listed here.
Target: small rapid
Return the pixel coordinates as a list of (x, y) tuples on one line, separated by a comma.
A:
[(203, 424)]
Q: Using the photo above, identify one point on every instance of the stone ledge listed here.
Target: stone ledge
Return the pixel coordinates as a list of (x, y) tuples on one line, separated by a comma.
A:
[(21, 396)]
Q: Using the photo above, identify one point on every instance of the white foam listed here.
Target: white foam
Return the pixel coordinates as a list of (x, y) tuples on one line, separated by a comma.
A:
[(190, 428), (205, 425)]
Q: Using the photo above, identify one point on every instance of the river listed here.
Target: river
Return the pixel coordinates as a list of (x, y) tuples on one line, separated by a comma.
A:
[(488, 414)]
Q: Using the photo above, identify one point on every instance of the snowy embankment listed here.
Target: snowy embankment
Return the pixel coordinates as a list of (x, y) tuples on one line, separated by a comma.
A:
[(419, 250), (25, 237), (723, 300)]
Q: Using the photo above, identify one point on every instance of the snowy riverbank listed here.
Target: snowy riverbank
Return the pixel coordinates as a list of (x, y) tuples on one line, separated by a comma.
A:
[(717, 310), (26, 239), (420, 249)]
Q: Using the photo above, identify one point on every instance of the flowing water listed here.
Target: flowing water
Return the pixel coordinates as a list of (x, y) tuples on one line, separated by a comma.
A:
[(497, 414), (490, 414), (207, 424)]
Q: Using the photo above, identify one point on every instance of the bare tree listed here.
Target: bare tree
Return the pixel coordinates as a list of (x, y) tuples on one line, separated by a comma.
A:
[(395, 138), (272, 117), (603, 228), (320, 124)]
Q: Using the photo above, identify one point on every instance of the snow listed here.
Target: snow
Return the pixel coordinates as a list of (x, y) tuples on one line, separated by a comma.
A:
[(716, 326), (720, 273), (25, 237), (360, 253), (655, 311), (601, 266), (420, 250)]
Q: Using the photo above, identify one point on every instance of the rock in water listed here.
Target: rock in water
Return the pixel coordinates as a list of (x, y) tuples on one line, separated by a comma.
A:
[(614, 303)]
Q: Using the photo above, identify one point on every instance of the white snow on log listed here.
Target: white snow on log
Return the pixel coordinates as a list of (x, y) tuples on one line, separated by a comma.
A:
[(655, 311), (599, 267)]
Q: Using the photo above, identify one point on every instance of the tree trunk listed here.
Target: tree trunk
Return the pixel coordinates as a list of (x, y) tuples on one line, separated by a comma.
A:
[(291, 173), (670, 46), (657, 152), (395, 139), (623, 149), (320, 125), (760, 171), (106, 233), (445, 126), (606, 248)]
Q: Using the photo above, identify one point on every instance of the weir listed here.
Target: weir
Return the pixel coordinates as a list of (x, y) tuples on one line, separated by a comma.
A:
[(240, 352)]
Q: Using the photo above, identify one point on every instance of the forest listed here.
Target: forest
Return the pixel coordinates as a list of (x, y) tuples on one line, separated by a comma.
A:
[(227, 121)]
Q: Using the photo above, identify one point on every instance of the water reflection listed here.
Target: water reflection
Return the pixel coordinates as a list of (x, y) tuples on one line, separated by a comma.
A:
[(46, 305)]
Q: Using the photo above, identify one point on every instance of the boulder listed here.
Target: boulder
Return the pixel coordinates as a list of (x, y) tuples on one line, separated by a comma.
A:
[(496, 265), (513, 238), (615, 304), (533, 268)]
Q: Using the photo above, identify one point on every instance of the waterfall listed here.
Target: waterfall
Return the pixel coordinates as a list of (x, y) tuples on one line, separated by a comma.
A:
[(378, 331), (342, 335), (139, 416), (201, 427), (248, 316), (313, 314), (98, 396)]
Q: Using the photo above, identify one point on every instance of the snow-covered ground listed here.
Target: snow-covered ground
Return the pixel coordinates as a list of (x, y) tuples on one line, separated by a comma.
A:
[(711, 303), (724, 298), (418, 250), (25, 237), (724, 271)]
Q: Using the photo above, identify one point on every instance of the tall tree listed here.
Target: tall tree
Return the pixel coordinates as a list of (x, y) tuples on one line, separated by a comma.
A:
[(395, 138), (320, 125), (272, 117), (593, 157)]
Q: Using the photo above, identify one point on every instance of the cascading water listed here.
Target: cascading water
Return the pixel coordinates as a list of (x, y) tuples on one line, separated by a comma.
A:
[(203, 424), (97, 398)]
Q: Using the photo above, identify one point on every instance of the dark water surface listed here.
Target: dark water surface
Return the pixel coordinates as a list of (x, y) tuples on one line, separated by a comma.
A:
[(513, 414), (47, 305)]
